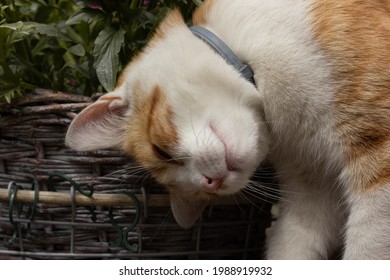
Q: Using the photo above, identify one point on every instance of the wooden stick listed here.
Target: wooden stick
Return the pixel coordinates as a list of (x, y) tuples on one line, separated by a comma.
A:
[(101, 199), (98, 199)]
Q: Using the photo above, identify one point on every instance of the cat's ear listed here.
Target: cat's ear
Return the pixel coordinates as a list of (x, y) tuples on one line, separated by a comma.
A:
[(100, 125), (186, 211)]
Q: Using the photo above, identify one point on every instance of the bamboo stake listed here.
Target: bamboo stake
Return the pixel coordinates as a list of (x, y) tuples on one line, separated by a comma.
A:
[(101, 199), (98, 199)]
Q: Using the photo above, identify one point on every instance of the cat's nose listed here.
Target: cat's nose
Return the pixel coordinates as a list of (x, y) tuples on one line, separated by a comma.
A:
[(211, 185)]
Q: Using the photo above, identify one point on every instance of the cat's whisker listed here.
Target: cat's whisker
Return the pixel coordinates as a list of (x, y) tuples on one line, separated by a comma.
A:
[(234, 196), (269, 173), (272, 187), (122, 175), (250, 201), (260, 188), (161, 228), (262, 196), (127, 172), (134, 169), (141, 180)]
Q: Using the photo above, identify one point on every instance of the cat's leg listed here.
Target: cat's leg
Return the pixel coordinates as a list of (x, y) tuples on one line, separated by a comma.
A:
[(368, 228), (309, 226)]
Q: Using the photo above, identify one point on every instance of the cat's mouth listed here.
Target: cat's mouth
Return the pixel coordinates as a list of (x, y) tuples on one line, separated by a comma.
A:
[(207, 197), (223, 191)]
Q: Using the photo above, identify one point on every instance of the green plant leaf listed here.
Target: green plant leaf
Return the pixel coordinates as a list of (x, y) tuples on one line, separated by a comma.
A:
[(197, 2), (86, 15), (26, 28), (106, 51), (74, 45), (50, 30), (8, 96), (18, 27), (77, 50)]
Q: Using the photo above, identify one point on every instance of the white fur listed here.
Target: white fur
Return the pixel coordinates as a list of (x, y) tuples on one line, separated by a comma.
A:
[(367, 230)]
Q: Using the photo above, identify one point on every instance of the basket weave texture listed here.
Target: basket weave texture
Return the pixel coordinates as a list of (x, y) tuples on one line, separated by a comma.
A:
[(38, 221)]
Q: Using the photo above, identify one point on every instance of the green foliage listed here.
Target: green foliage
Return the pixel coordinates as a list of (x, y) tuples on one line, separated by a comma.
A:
[(76, 46)]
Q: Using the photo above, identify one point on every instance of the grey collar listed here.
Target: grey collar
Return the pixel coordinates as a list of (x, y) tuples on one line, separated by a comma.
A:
[(223, 50)]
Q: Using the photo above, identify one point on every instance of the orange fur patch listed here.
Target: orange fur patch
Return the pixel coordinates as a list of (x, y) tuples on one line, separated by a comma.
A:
[(151, 124), (160, 127), (355, 35), (200, 15), (174, 19)]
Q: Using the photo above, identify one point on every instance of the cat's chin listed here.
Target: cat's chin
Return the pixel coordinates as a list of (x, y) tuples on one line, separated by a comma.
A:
[(208, 197), (187, 207)]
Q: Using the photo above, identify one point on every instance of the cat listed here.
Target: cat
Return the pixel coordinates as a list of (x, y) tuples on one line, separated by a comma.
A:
[(320, 111)]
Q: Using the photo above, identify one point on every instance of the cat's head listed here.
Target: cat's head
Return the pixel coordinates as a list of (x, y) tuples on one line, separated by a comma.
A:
[(185, 115)]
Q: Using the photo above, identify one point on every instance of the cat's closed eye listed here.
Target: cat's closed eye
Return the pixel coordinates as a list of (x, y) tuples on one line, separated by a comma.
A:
[(162, 154)]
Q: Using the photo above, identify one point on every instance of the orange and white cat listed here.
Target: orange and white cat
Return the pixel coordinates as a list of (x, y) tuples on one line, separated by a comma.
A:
[(320, 111)]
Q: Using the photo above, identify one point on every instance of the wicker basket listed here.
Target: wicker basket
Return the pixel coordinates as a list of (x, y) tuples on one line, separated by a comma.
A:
[(47, 212)]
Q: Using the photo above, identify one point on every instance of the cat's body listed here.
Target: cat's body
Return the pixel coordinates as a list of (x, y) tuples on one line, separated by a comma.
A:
[(321, 111)]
